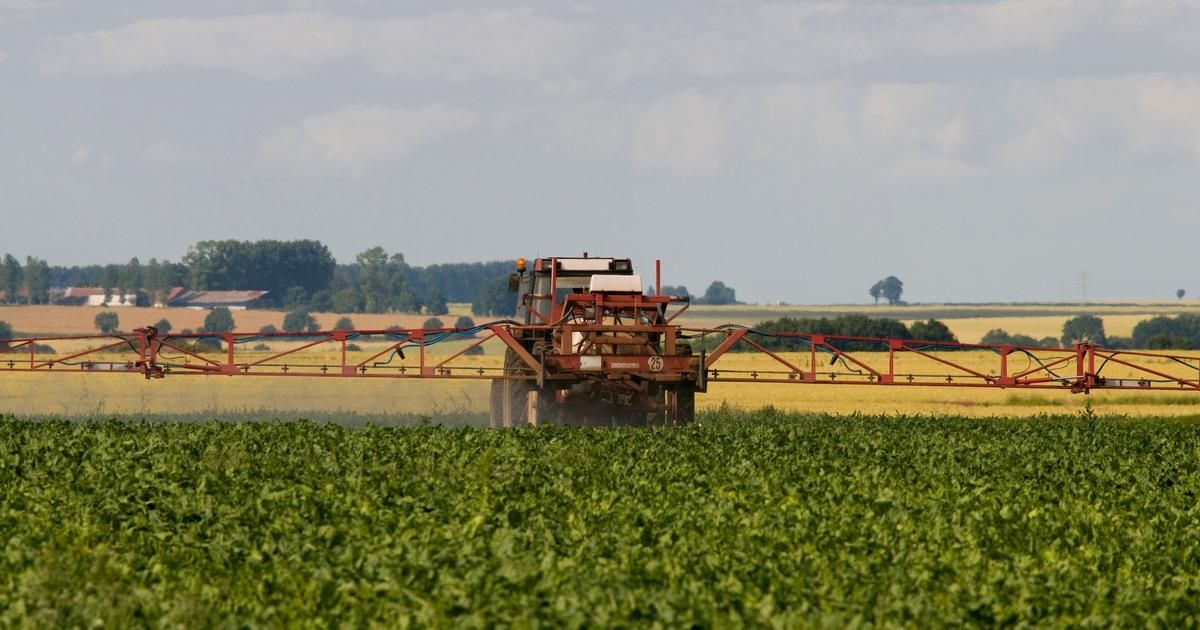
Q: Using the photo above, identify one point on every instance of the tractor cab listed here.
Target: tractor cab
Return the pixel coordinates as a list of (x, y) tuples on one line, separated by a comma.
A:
[(546, 289)]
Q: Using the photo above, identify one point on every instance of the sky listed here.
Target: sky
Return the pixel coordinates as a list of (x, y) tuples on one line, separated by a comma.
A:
[(800, 151)]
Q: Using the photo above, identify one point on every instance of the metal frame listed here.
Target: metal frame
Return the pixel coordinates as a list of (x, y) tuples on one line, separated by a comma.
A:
[(825, 359)]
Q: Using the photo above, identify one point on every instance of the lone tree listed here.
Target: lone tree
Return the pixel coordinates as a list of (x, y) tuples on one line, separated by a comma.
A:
[(6, 332), (300, 321), (719, 293), (890, 289), (218, 320), (1084, 328), (344, 323), (433, 322), (1179, 293), (107, 322), (163, 326)]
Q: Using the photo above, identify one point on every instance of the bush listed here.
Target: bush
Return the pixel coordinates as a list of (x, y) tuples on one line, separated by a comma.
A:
[(262, 346), (1185, 326), (268, 329), (1084, 329), (344, 323), (932, 330), (476, 351), (186, 331), (6, 332), (433, 322), (163, 326), (464, 322), (998, 337), (218, 320), (300, 321), (353, 347), (1169, 342), (107, 322)]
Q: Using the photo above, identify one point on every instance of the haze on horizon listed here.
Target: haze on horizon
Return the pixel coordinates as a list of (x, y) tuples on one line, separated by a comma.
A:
[(981, 151)]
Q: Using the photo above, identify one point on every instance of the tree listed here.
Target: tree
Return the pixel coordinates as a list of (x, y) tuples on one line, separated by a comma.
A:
[(347, 301), (1179, 293), (6, 332), (300, 321), (295, 298), (132, 277), (494, 300), (218, 320), (107, 322), (321, 301), (1084, 329), (998, 337), (37, 281), (12, 278), (433, 322), (163, 326), (718, 293), (110, 279), (464, 322), (679, 291), (268, 329), (890, 289), (932, 330), (344, 323), (435, 304), (273, 266)]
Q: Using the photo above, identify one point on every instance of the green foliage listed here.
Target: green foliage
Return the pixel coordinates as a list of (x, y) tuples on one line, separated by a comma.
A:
[(107, 322), (37, 281), (763, 520), (718, 293), (845, 326), (890, 289), (464, 322), (6, 332), (1084, 328), (163, 326), (300, 321), (436, 303), (344, 323), (1168, 342), (219, 320), (1185, 326), (13, 278), (268, 329), (932, 330), (433, 322), (999, 337), (494, 300), (347, 301), (679, 291), (275, 266)]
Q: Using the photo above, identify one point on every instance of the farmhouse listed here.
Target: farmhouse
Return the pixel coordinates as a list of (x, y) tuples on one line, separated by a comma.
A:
[(233, 300), (96, 296)]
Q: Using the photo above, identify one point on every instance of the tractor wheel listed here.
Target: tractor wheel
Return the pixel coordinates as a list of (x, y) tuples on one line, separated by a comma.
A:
[(685, 406)]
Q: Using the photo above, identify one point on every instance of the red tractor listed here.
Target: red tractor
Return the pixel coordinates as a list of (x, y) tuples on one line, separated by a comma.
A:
[(594, 350)]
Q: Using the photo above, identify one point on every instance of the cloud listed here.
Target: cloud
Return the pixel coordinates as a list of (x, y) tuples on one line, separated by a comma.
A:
[(353, 140), (170, 154), (680, 134), (452, 46)]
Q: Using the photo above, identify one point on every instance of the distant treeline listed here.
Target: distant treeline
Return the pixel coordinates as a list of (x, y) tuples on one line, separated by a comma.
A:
[(842, 326), (298, 274)]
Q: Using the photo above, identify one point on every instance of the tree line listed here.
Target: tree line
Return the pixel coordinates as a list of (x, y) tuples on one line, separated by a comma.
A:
[(298, 275)]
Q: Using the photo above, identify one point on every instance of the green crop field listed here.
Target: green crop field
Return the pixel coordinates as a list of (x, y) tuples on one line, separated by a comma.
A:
[(762, 518)]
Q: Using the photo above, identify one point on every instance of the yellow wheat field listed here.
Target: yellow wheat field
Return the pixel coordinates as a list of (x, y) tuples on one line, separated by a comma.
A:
[(75, 394)]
